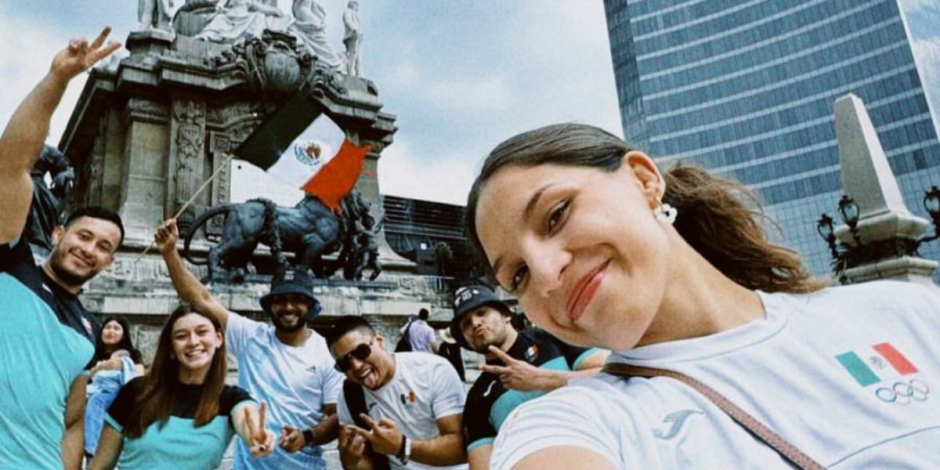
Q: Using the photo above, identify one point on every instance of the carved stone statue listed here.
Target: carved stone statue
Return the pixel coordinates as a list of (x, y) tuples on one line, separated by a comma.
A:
[(310, 27), (364, 254), (154, 14), (353, 39), (309, 229), (48, 202), (235, 18)]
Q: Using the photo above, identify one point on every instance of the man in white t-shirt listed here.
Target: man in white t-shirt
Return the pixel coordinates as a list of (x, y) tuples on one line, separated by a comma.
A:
[(411, 404), (287, 365), (421, 335)]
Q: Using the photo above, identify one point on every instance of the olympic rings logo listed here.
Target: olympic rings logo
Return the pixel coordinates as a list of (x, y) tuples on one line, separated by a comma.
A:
[(903, 393)]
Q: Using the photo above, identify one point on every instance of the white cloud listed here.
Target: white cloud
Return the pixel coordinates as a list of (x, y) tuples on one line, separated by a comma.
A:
[(471, 95), (911, 6), (927, 55), (445, 178), (20, 70)]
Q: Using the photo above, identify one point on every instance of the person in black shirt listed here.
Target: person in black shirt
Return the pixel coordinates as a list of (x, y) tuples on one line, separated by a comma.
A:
[(48, 338), (520, 366)]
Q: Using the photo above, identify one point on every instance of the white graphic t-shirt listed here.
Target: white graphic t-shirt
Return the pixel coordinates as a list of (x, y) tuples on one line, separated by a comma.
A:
[(848, 375), (295, 382), (425, 388)]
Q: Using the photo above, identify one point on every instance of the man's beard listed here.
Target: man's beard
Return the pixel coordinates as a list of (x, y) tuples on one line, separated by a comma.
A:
[(280, 325), (495, 341), (70, 278)]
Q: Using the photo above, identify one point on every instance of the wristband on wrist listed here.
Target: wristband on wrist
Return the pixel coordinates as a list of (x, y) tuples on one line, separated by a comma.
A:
[(404, 452), (308, 437)]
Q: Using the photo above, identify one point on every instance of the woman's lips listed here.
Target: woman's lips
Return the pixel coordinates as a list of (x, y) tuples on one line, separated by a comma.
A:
[(584, 291)]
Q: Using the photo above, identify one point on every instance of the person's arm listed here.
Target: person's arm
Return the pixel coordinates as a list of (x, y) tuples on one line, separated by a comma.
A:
[(187, 285), (479, 457), (293, 439), (22, 140), (249, 423), (73, 443), (564, 458), (524, 377), (109, 449), (441, 451)]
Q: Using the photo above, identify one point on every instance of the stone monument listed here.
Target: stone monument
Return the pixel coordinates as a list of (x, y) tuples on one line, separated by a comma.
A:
[(148, 131), (885, 225)]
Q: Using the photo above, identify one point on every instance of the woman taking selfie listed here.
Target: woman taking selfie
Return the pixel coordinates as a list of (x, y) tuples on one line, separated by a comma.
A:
[(181, 415), (727, 353)]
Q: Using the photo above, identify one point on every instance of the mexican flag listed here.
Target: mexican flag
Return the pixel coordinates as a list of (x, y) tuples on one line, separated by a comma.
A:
[(875, 364), (302, 146)]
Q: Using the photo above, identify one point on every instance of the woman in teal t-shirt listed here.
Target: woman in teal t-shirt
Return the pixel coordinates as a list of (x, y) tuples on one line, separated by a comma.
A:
[(182, 415)]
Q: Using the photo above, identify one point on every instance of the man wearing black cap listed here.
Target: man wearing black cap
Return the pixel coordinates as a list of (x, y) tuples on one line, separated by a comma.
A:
[(520, 366), (287, 364)]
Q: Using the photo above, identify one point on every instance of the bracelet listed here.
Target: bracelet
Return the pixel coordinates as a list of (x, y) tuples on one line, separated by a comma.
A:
[(308, 437), (404, 452)]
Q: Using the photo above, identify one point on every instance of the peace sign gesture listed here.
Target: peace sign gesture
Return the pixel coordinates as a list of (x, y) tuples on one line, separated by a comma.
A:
[(251, 425), (79, 56), (516, 374)]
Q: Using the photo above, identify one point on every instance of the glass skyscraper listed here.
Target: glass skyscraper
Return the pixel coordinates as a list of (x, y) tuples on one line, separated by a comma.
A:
[(746, 88)]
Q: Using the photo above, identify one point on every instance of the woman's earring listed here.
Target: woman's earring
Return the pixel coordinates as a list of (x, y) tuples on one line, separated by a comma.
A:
[(665, 213)]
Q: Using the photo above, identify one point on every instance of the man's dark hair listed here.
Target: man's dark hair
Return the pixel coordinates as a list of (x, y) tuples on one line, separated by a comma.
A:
[(97, 212), (347, 324), (424, 314)]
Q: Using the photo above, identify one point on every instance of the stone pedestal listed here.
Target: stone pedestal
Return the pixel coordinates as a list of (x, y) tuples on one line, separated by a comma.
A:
[(147, 133), (883, 217)]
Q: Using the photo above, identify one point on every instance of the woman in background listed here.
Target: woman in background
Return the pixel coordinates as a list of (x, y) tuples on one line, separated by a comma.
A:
[(116, 362)]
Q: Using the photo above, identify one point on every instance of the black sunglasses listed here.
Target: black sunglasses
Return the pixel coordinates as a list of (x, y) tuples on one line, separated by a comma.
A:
[(362, 352)]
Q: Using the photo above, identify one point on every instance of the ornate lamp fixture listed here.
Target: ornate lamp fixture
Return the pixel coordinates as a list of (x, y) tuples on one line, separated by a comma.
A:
[(845, 256)]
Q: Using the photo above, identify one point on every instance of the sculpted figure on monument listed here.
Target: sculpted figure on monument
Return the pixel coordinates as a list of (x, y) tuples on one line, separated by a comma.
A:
[(365, 254), (48, 202), (310, 27), (235, 18), (309, 230), (154, 14), (353, 39)]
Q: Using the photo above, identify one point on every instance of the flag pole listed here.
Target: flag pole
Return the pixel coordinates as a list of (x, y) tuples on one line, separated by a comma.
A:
[(199, 191)]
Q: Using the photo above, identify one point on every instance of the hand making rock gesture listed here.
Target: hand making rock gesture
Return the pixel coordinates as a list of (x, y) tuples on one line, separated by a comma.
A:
[(384, 435)]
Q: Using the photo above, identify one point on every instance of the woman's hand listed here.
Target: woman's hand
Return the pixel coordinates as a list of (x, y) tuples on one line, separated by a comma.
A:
[(260, 438)]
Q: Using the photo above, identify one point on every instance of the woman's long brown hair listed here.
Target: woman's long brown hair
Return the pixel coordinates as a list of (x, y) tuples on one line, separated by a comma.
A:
[(718, 217), (162, 385)]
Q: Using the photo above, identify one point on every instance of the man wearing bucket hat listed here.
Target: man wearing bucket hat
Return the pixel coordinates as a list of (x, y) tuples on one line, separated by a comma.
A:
[(285, 364), (520, 365)]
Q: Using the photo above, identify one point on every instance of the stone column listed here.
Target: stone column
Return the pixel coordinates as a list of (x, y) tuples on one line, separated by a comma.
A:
[(883, 217), (187, 164), (144, 179)]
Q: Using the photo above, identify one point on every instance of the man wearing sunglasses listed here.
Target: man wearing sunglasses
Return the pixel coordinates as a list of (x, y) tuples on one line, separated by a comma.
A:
[(413, 403), (285, 363)]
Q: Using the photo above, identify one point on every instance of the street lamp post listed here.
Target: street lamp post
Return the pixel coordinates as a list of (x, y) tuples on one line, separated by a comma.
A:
[(845, 256)]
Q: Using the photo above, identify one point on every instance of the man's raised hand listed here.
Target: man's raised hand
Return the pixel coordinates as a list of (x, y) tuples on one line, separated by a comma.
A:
[(166, 236), (80, 56)]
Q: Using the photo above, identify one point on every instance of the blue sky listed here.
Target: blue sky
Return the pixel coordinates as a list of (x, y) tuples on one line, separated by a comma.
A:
[(460, 75)]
